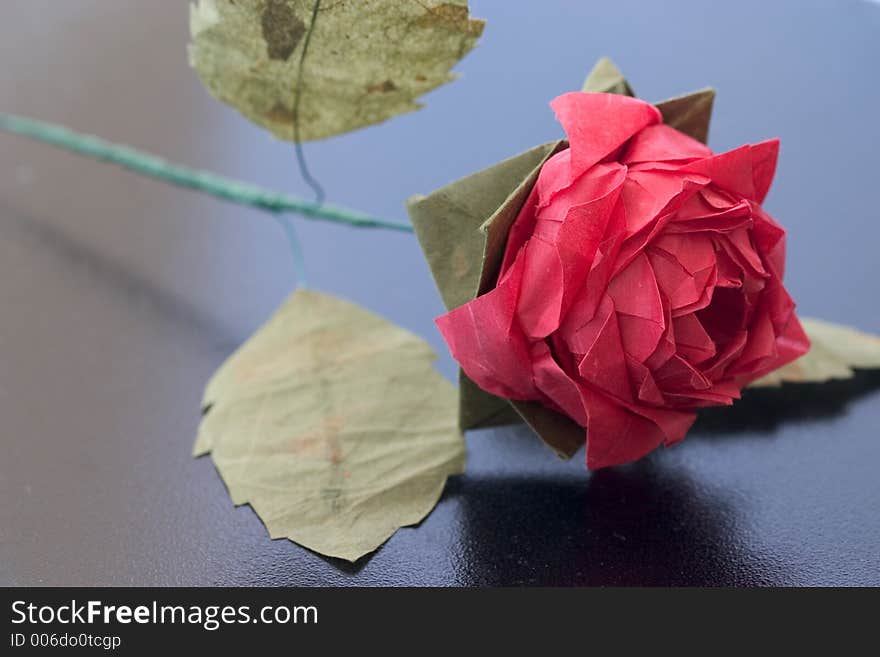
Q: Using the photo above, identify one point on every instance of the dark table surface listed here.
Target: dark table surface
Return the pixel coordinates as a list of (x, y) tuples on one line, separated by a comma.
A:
[(120, 296)]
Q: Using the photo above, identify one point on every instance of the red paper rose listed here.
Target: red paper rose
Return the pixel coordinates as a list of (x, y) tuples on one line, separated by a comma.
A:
[(641, 280)]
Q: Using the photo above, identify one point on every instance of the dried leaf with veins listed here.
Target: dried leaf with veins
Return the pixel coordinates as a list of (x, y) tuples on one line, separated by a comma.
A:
[(332, 424), (367, 60), (836, 350)]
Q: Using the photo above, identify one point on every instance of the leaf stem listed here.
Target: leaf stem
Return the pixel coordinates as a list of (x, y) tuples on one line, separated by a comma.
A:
[(204, 181)]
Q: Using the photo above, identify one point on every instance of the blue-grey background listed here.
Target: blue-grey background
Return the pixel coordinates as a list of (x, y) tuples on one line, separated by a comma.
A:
[(120, 296)]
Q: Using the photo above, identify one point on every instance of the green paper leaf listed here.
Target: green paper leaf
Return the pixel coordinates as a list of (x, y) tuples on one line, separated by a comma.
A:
[(450, 222), (367, 60), (463, 229), (836, 350), (450, 226), (690, 113), (332, 424), (607, 78), (478, 409)]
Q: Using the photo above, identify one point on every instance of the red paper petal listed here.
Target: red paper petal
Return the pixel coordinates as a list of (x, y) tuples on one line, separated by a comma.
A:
[(730, 274), (555, 176), (718, 198), (649, 194), (603, 363), (666, 344), (764, 157), (760, 348), (652, 228), (556, 385), (770, 238), (560, 254), (639, 306), (732, 349), (705, 280), (600, 181), (693, 254), (485, 340), (597, 124), (678, 375), (587, 300), (616, 435), (634, 291), (619, 434), (661, 143), (540, 302), (731, 171), (791, 344), (692, 340), (738, 244), (698, 214), (520, 231), (645, 386), (682, 289), (702, 399), (673, 423)]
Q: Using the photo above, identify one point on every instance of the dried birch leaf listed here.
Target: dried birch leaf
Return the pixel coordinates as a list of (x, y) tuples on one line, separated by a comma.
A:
[(367, 60), (835, 351), (332, 424)]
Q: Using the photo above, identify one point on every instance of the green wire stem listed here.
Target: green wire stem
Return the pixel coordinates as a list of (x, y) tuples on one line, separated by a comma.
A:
[(203, 181)]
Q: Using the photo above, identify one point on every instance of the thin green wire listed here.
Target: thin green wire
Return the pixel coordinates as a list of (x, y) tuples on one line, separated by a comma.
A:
[(296, 250), (203, 181), (299, 258), (311, 181)]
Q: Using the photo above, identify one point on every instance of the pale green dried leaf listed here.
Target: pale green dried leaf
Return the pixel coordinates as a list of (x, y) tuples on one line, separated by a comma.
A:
[(367, 60), (835, 352), (332, 424)]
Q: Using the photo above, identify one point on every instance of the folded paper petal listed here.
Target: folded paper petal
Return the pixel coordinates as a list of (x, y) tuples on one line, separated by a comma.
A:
[(557, 386), (616, 435), (560, 253), (598, 124), (603, 363), (488, 344), (660, 143), (764, 156), (731, 171)]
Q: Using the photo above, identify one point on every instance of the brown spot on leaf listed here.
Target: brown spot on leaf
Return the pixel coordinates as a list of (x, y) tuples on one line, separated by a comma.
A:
[(446, 13), (280, 114), (452, 17), (382, 87), (282, 30)]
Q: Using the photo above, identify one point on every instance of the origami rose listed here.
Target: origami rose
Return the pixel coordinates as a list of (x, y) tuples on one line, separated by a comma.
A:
[(641, 280)]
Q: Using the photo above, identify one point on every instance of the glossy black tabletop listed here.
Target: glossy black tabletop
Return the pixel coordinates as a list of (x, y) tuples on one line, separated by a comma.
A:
[(119, 296)]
